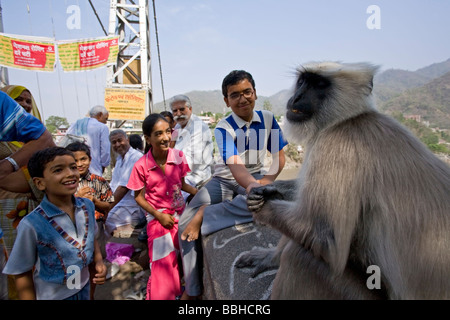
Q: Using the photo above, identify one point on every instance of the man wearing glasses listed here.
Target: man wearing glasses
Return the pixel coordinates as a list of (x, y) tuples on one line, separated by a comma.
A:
[(243, 139)]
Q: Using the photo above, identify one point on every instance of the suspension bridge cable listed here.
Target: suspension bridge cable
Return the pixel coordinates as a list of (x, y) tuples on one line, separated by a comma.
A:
[(104, 31), (74, 76), (159, 55), (98, 18), (36, 73), (58, 72)]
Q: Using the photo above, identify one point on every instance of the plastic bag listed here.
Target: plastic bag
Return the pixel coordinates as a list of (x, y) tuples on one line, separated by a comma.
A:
[(119, 253)]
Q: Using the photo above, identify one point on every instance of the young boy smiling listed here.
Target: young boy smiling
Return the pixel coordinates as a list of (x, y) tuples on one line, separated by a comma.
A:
[(96, 189), (91, 186), (56, 242)]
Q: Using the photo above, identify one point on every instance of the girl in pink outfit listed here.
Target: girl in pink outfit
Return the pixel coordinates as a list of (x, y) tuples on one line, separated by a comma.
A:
[(157, 180)]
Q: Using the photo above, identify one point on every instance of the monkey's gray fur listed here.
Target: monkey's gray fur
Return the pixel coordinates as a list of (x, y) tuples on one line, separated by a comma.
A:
[(368, 193)]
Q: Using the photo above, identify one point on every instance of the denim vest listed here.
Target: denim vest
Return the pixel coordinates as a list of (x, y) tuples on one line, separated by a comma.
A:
[(56, 249)]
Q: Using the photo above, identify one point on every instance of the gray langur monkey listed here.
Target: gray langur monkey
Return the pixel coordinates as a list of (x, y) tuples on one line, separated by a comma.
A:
[(369, 193)]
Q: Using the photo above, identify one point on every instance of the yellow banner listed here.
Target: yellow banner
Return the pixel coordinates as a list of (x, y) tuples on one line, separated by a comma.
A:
[(125, 104), (88, 54), (30, 53)]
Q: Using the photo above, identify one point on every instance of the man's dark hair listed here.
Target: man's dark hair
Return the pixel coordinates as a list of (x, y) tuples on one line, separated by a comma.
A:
[(38, 161), (79, 146), (235, 77), (136, 141)]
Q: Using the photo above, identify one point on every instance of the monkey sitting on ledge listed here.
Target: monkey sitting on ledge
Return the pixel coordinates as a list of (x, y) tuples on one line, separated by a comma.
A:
[(369, 193)]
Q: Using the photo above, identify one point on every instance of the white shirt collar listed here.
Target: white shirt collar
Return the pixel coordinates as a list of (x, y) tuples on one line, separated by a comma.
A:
[(241, 122)]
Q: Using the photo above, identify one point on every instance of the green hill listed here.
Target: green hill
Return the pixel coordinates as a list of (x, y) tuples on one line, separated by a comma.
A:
[(423, 92), (431, 101)]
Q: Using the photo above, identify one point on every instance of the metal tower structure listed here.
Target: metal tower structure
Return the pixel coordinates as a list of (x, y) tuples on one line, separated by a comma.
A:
[(130, 22)]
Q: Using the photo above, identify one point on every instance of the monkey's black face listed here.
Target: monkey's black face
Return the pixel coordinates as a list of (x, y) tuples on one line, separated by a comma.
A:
[(310, 91)]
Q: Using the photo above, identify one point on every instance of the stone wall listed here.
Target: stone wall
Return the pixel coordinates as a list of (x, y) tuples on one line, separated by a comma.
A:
[(222, 280)]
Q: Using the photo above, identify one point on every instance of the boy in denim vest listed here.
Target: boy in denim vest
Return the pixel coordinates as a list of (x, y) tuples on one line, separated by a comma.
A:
[(56, 242)]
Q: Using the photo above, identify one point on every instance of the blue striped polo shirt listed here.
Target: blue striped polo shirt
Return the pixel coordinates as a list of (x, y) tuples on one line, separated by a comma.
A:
[(250, 140)]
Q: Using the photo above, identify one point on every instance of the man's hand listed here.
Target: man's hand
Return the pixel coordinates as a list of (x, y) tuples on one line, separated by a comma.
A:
[(253, 185)]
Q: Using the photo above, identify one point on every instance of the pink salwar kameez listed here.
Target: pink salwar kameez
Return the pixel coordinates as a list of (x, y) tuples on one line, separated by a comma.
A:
[(163, 248)]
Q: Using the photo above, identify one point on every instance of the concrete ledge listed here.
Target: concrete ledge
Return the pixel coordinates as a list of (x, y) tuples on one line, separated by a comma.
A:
[(221, 279)]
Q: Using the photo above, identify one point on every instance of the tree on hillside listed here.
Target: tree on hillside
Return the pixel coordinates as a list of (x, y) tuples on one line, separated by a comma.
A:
[(425, 134), (267, 105), (207, 114), (218, 116), (54, 122)]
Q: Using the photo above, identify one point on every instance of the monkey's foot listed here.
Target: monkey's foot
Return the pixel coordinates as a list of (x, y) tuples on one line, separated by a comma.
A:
[(260, 258)]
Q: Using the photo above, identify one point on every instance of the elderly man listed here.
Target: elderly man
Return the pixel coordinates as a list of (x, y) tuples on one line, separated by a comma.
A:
[(193, 137), (125, 213), (96, 132)]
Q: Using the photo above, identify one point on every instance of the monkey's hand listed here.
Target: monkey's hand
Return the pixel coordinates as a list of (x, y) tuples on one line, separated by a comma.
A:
[(259, 196)]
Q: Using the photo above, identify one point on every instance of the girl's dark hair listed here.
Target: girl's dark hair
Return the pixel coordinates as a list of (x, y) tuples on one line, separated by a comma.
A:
[(167, 114), (235, 77), (148, 124), (79, 146), (38, 161)]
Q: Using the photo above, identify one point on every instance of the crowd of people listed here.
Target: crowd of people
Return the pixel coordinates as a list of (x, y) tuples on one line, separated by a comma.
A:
[(57, 211)]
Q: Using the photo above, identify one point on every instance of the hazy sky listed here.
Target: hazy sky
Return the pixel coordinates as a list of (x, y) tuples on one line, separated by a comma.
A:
[(202, 40)]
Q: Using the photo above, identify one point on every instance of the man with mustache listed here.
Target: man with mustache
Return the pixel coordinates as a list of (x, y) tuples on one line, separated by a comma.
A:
[(194, 138)]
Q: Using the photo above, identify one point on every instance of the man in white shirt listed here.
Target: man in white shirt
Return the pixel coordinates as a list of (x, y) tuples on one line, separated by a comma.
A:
[(96, 133), (125, 213), (194, 138)]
